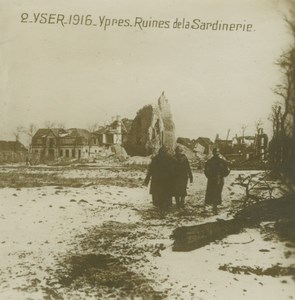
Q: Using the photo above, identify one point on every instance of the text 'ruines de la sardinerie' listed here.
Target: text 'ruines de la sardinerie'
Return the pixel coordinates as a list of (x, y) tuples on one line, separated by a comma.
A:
[(105, 23)]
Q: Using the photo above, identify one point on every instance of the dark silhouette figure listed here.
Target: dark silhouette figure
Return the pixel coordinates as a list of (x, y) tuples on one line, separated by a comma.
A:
[(182, 174), (161, 173), (216, 169)]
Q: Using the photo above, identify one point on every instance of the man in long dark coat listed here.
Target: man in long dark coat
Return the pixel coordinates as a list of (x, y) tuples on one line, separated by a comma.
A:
[(216, 169), (182, 174), (161, 172)]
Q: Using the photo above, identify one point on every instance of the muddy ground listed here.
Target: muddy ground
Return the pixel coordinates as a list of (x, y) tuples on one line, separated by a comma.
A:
[(90, 232)]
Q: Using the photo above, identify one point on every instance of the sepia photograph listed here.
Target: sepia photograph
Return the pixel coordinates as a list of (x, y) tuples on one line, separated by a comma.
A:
[(147, 149)]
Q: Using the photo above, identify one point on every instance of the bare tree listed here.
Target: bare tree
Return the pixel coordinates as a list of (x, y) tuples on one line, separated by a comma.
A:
[(255, 185), (258, 124), (17, 132), (92, 127), (61, 125), (283, 115), (276, 118), (49, 124), (286, 89), (243, 129), (27, 131), (31, 130)]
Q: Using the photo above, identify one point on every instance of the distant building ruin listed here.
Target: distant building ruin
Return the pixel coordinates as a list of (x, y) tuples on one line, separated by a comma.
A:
[(12, 152), (225, 146), (203, 145), (244, 147), (75, 143), (54, 143), (114, 133), (200, 146), (152, 127)]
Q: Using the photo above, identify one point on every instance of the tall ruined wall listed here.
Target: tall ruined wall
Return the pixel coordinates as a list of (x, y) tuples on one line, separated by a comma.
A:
[(152, 127), (169, 127), (145, 133)]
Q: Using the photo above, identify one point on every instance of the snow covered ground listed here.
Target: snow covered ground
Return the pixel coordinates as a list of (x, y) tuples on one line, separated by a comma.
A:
[(42, 227)]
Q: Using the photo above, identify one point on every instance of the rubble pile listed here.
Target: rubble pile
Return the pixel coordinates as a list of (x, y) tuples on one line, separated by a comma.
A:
[(119, 152)]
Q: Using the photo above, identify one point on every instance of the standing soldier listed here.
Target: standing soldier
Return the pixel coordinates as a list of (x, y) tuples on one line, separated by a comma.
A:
[(161, 172), (182, 174), (215, 170)]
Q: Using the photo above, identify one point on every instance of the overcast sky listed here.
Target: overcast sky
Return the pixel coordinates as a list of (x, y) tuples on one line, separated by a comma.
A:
[(78, 75)]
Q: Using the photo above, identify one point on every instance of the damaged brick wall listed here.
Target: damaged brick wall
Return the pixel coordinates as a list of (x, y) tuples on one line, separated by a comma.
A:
[(152, 127)]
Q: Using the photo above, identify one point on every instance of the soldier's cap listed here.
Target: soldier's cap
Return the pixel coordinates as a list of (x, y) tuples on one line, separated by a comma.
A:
[(215, 151), (178, 149)]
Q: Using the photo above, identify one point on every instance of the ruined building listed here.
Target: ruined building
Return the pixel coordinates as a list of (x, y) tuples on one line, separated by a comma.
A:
[(115, 133), (200, 146), (75, 143), (152, 127), (54, 143), (12, 151)]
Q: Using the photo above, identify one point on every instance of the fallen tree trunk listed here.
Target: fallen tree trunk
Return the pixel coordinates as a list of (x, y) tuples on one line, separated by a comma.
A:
[(192, 237), (188, 238)]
